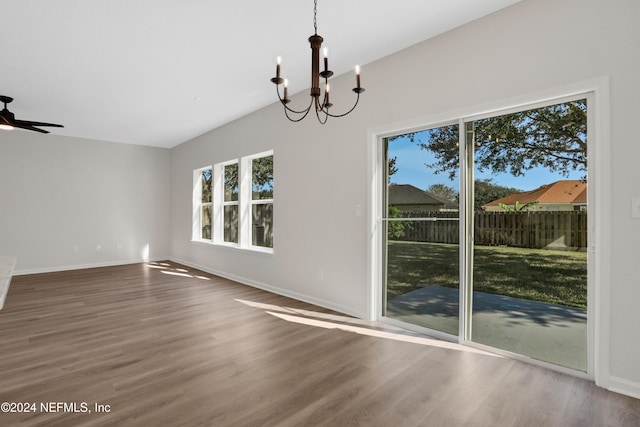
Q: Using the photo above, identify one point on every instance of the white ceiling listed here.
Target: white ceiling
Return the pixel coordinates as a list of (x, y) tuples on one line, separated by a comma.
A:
[(160, 72)]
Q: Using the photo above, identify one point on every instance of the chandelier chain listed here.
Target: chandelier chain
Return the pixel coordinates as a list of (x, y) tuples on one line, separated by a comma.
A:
[(315, 12)]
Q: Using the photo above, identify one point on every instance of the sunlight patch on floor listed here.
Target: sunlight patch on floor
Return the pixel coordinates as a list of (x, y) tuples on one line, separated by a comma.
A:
[(173, 271), (380, 334), (359, 326)]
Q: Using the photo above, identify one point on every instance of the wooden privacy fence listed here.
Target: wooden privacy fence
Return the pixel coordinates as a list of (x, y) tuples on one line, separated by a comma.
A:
[(551, 230)]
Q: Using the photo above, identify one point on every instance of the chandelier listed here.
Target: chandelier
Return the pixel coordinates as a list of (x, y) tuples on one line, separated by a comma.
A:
[(320, 104)]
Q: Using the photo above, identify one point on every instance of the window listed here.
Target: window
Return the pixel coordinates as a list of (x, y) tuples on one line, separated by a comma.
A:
[(233, 203), (262, 201), (230, 203), (202, 196)]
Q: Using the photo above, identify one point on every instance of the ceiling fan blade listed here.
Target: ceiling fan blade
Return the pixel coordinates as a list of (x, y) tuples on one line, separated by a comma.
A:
[(28, 127), (30, 123)]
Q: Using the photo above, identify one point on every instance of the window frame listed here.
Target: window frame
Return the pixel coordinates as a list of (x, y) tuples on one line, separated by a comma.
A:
[(226, 203), (198, 204), (254, 202), (244, 203), (219, 203), (596, 92)]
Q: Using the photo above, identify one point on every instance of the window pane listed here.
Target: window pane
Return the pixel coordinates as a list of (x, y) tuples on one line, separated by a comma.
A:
[(422, 253), (231, 183), (205, 217), (262, 231), (206, 186), (231, 224), (530, 262), (262, 178)]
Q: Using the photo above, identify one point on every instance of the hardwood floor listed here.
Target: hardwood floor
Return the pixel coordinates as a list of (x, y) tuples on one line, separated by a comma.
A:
[(166, 345)]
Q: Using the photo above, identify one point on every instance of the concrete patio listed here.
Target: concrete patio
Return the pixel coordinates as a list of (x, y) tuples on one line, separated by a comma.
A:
[(549, 332)]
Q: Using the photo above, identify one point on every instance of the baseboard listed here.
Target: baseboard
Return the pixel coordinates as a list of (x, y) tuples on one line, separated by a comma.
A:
[(83, 266), (243, 280), (622, 386), (276, 290)]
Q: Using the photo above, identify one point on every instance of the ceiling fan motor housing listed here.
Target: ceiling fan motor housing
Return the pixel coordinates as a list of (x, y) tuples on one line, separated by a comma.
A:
[(8, 119)]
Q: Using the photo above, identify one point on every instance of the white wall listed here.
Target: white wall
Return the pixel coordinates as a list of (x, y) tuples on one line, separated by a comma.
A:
[(62, 197), (522, 52)]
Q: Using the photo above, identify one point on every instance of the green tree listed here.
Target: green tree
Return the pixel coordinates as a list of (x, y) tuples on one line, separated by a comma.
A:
[(486, 191), (395, 229), (444, 191), (553, 137), (391, 164), (206, 186), (517, 207), (262, 179), (231, 182)]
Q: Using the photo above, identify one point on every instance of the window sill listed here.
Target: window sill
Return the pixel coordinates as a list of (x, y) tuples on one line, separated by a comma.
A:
[(252, 249)]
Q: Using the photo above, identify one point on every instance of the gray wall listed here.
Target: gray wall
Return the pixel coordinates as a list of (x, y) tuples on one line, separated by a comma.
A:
[(62, 197), (322, 174)]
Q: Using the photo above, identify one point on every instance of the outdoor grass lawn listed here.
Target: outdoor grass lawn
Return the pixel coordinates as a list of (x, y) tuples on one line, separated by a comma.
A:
[(556, 277)]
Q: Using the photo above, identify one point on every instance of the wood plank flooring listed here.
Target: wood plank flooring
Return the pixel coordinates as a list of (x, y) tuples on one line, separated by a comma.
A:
[(166, 345)]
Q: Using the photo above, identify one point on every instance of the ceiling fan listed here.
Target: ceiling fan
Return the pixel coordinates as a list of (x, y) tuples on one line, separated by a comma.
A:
[(8, 119)]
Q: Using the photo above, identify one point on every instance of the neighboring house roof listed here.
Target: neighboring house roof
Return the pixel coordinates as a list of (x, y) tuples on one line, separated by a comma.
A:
[(405, 194), (570, 191)]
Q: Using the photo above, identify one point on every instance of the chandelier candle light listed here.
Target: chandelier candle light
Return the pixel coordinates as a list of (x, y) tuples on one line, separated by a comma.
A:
[(321, 107)]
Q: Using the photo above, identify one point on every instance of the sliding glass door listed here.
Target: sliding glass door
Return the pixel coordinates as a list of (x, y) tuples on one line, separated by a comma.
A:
[(421, 221), (529, 219), (511, 234)]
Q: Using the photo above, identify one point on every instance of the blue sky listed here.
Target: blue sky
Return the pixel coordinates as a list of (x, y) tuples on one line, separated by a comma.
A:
[(411, 160)]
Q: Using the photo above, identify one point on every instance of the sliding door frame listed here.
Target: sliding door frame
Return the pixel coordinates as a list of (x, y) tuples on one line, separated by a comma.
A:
[(597, 94)]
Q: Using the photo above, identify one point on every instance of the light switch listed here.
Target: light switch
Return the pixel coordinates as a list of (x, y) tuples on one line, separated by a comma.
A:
[(635, 207)]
